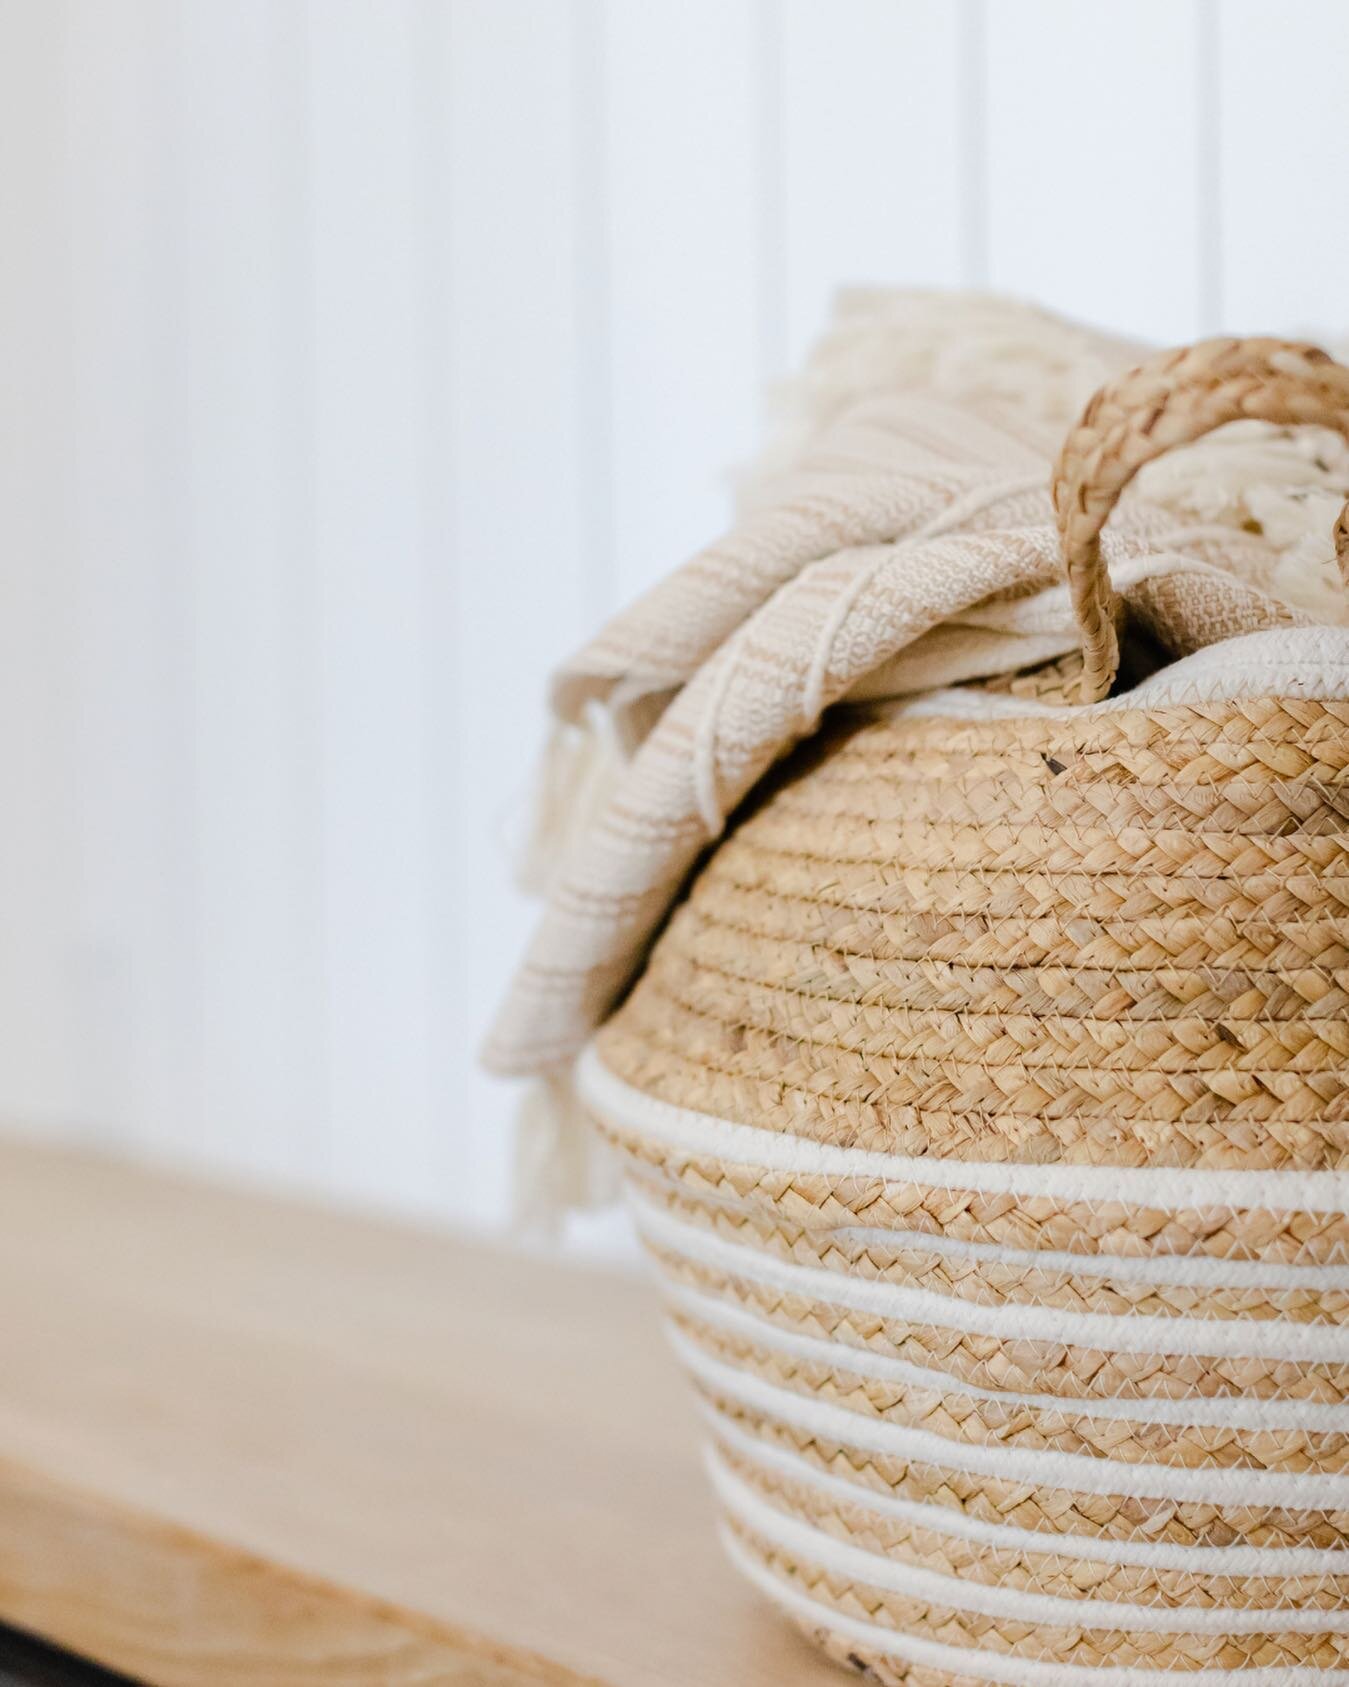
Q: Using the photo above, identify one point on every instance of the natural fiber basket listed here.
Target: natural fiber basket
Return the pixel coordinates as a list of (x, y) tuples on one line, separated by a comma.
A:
[(984, 1105)]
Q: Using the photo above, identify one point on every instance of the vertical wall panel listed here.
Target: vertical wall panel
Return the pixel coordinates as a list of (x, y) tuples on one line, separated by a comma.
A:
[(872, 157), (1094, 161), (136, 998), (685, 172), (39, 961), (1284, 139), (359, 354), (242, 274), (525, 582), (369, 545)]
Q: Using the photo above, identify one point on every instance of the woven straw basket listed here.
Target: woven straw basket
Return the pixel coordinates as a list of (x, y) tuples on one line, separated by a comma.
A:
[(984, 1107)]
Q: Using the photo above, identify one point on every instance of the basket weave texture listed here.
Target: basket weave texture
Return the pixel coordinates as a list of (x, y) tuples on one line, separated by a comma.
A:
[(984, 1106)]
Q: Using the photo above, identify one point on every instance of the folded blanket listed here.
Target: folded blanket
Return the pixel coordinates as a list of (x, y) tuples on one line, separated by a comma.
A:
[(898, 537)]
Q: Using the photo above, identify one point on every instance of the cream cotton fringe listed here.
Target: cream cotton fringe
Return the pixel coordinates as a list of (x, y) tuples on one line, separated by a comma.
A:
[(896, 537)]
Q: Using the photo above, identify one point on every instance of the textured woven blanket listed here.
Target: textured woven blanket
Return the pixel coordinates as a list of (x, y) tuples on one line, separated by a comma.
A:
[(897, 537)]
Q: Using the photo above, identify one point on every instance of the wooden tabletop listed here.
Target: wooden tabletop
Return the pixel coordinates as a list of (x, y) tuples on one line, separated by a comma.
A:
[(246, 1442)]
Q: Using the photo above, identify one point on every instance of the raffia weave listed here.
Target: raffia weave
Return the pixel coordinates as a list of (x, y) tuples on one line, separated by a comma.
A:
[(909, 540), (1034, 948), (985, 1106)]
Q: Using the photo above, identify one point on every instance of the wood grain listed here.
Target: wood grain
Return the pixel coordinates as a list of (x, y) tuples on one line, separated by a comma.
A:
[(247, 1442)]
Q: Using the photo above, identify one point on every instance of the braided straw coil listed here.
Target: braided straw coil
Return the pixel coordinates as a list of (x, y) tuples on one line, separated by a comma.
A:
[(984, 1108)]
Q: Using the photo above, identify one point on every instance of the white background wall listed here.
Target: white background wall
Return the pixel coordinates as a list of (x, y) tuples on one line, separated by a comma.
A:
[(357, 355)]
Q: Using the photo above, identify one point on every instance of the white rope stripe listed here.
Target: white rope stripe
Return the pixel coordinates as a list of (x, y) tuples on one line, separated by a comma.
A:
[(1222, 1412), (1256, 1561), (1274, 1338), (1072, 1472), (1199, 1271), (933, 1587), (1191, 1271), (988, 1666), (627, 1109)]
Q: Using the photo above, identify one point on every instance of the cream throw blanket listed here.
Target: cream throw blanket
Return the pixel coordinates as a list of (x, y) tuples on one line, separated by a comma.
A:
[(897, 538)]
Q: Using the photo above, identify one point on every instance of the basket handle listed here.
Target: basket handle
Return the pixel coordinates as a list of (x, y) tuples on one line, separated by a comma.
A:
[(1170, 400)]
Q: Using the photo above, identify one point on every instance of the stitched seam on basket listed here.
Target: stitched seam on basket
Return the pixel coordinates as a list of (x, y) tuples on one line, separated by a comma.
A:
[(934, 1113), (890, 727), (985, 1424), (750, 1295), (988, 1599), (611, 1096), (1178, 1336), (958, 1663), (749, 1298), (1089, 1124), (914, 1615), (862, 756), (1082, 1274), (1092, 1217), (658, 987), (857, 1193), (841, 777), (1323, 1420), (762, 1301), (1078, 1281), (1190, 971), (1203, 1272), (1216, 1561), (1098, 1440), (994, 1561), (893, 1474), (1077, 870), (720, 923), (656, 984), (795, 807), (1074, 1473), (845, 1099), (746, 843), (877, 722), (910, 1611), (994, 925), (960, 735), (961, 1013), (1093, 1221), (1300, 846), (723, 878), (929, 1068)]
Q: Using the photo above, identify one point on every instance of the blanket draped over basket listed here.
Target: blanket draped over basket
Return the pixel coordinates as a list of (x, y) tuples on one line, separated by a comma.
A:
[(983, 1095), (905, 539)]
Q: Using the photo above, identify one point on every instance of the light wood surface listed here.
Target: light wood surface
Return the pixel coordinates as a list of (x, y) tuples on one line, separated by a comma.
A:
[(243, 1442)]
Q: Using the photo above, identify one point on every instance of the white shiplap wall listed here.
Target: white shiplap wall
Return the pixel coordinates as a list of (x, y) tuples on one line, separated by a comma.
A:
[(351, 345)]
